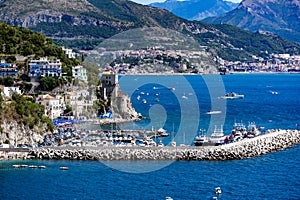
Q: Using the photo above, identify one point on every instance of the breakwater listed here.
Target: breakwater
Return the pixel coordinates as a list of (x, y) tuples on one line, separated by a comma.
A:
[(273, 140)]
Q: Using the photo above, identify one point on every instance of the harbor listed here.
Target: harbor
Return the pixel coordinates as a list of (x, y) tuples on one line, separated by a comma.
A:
[(273, 140)]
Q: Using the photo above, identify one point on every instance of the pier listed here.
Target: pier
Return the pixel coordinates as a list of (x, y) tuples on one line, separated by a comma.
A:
[(273, 140)]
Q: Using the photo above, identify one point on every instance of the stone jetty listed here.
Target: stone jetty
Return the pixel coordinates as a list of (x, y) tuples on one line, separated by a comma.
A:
[(273, 140)]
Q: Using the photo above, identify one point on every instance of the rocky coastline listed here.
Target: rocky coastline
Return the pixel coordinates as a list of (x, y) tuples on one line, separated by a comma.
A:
[(273, 140)]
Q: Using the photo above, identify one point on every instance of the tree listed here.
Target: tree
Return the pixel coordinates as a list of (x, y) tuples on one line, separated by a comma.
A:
[(68, 111), (48, 83)]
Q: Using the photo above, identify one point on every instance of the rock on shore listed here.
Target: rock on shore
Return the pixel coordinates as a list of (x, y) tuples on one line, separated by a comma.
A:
[(273, 140)]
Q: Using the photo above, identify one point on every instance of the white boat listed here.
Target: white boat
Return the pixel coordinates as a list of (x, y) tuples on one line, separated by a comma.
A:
[(232, 95), (252, 130), (173, 143), (218, 190), (171, 88), (162, 132), (201, 139), (64, 168), (138, 97), (239, 131), (213, 112), (160, 144), (274, 92), (217, 137), (32, 166), (144, 101)]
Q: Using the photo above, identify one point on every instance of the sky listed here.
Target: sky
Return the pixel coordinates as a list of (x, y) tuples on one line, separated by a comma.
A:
[(145, 2)]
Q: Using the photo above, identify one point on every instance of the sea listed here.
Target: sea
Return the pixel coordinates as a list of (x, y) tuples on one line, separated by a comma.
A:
[(179, 104)]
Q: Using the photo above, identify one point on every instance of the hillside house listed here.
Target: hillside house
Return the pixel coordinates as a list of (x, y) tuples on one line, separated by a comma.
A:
[(8, 70), (79, 72), (54, 105), (7, 92)]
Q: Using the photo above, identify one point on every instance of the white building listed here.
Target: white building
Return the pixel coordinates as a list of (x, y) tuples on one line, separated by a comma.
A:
[(8, 91), (79, 72), (81, 101), (69, 53), (53, 105), (45, 67)]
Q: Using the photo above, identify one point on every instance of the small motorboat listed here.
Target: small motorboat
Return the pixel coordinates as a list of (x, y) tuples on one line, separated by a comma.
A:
[(32, 166), (16, 166), (64, 168), (213, 112), (42, 167), (218, 190), (274, 92), (232, 95)]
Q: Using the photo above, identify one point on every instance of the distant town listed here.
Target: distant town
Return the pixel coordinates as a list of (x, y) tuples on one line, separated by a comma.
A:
[(156, 60)]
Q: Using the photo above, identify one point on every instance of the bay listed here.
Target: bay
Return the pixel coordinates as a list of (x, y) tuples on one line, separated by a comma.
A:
[(272, 176)]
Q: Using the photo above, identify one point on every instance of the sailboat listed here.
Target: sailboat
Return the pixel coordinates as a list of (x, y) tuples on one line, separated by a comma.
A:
[(173, 143)]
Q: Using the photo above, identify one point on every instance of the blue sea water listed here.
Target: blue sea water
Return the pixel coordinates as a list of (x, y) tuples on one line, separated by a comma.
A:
[(272, 176)]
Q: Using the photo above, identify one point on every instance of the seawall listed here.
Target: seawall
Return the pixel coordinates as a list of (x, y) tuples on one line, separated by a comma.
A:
[(273, 140)]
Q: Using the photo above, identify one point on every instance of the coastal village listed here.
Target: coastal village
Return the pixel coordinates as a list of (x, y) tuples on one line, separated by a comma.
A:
[(69, 105), (160, 61)]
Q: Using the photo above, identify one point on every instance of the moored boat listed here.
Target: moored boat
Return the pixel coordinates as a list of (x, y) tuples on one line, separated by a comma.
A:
[(201, 139), (217, 137), (253, 131)]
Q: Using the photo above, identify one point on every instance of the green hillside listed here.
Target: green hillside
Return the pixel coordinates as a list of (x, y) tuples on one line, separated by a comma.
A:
[(83, 24)]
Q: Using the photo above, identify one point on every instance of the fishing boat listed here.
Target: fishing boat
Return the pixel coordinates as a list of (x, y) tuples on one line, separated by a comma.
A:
[(232, 95), (201, 139), (162, 132), (217, 137), (253, 131), (239, 131)]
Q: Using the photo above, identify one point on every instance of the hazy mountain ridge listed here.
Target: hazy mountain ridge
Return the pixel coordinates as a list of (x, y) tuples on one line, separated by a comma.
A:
[(75, 20), (196, 9), (281, 17)]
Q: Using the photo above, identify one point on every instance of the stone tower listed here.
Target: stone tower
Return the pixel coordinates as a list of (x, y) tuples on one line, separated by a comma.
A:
[(109, 84)]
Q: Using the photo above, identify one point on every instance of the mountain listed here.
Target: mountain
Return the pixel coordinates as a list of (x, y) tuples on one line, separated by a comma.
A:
[(281, 17), (196, 9), (85, 23)]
